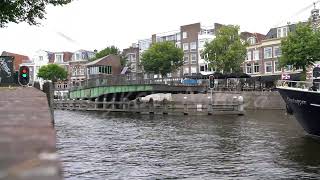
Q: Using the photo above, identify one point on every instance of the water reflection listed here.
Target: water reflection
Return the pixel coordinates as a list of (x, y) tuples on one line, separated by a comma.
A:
[(261, 145)]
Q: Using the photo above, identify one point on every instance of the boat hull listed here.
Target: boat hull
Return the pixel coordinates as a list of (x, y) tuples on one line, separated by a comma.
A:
[(305, 106)]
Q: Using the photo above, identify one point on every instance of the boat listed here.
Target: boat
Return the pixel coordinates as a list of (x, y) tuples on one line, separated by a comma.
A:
[(302, 99)]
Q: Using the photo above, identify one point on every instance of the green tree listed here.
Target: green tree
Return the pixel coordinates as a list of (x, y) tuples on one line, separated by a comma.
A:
[(25, 10), (301, 48), (53, 72), (226, 52), (162, 58), (110, 50)]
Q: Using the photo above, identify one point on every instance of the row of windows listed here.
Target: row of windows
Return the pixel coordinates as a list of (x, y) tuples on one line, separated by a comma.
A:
[(269, 67), (192, 70), (100, 70), (131, 57), (268, 52), (193, 58), (77, 71), (193, 46)]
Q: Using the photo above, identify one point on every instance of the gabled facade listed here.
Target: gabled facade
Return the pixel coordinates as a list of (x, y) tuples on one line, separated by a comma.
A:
[(77, 66), (263, 52), (108, 65)]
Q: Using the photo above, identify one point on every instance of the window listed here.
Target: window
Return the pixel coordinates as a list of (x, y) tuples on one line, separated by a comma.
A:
[(133, 67), (81, 71), (186, 70), (256, 68), (276, 51), (186, 59), (178, 45), (193, 58), (251, 40), (276, 66), (185, 46), (282, 32), (268, 67), (193, 46), (248, 68), (178, 36), (132, 57), (184, 35), (267, 52), (256, 54), (59, 58), (201, 68), (77, 56), (193, 70), (249, 56), (40, 58)]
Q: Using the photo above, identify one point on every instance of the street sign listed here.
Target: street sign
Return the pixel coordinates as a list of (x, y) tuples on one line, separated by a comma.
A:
[(6, 70), (285, 76)]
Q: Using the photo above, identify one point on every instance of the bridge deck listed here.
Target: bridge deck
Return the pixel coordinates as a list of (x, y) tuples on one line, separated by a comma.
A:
[(94, 92)]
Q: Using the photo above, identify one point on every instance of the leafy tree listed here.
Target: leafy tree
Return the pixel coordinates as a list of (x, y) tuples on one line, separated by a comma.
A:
[(162, 58), (110, 50), (301, 48), (53, 72), (226, 52), (25, 10)]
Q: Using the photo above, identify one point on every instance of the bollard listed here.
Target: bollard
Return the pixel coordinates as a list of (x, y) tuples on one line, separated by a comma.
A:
[(241, 104)]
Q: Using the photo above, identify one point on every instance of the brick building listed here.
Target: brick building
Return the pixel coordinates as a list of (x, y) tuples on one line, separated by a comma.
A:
[(18, 59)]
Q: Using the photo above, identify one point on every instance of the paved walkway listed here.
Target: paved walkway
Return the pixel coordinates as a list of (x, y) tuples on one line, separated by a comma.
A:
[(27, 137)]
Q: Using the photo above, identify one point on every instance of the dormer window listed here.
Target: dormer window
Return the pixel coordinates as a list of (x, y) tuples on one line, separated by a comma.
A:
[(77, 58), (282, 32), (251, 40), (58, 58)]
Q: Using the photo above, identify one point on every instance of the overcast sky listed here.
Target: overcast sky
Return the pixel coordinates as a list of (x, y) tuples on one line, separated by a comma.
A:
[(96, 24)]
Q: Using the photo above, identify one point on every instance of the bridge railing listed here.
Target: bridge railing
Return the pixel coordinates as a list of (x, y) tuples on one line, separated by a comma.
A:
[(105, 80)]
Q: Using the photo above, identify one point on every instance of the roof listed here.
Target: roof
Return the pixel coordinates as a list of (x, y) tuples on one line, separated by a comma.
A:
[(108, 57), (273, 31), (66, 56)]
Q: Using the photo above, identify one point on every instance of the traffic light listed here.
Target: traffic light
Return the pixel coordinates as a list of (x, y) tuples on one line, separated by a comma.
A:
[(211, 81), (24, 76)]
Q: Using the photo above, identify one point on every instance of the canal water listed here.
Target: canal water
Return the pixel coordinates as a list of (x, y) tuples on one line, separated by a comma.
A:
[(260, 145)]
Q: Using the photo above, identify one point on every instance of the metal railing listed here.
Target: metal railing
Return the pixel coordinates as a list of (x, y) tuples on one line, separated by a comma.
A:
[(305, 85), (105, 80)]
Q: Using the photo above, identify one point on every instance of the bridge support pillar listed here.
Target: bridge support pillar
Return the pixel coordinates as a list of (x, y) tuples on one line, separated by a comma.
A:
[(185, 108), (96, 101), (210, 109), (104, 106), (113, 106)]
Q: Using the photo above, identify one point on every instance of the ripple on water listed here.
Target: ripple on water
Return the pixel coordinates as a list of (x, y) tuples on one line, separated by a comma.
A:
[(261, 145)]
